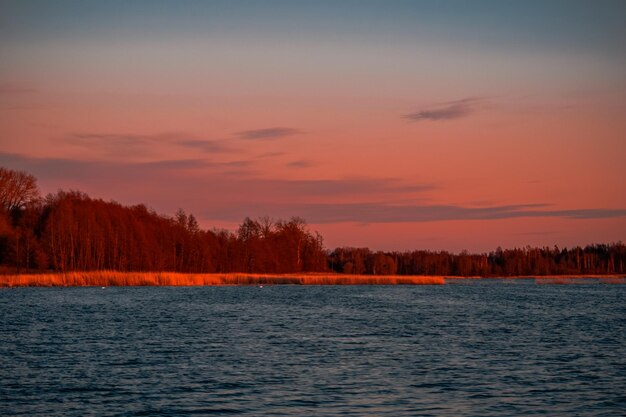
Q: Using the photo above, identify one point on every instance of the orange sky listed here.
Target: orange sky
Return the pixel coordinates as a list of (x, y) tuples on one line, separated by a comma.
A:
[(378, 136)]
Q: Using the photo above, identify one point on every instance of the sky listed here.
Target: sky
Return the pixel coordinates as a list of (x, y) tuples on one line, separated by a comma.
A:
[(396, 125)]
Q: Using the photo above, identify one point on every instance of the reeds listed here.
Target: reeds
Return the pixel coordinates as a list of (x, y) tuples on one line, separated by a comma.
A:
[(565, 280), (114, 278)]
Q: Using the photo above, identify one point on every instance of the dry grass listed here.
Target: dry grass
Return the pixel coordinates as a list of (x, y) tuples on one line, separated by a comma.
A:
[(113, 278), (579, 279), (613, 280), (559, 281), (543, 277)]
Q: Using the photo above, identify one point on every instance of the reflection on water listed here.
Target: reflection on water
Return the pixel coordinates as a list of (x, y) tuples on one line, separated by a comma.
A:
[(483, 348)]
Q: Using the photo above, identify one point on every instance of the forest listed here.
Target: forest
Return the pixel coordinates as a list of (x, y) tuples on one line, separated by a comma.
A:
[(70, 231)]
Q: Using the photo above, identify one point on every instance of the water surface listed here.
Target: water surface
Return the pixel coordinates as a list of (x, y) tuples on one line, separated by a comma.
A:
[(496, 348)]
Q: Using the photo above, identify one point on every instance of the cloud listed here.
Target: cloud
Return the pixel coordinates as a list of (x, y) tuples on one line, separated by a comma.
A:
[(121, 145), (448, 111), (89, 139), (112, 140), (583, 213), (269, 133), (226, 191), (74, 170), (271, 154), (128, 138), (333, 187), (209, 146), (300, 163), (385, 213), (225, 183), (237, 164), (118, 145)]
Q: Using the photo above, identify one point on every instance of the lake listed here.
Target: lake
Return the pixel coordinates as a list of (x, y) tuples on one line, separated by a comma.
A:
[(469, 348)]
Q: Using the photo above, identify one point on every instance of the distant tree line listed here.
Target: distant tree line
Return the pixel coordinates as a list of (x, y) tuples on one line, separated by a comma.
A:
[(69, 231), (592, 259)]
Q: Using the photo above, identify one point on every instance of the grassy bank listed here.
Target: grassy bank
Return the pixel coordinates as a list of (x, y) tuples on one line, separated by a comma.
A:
[(112, 278), (556, 279)]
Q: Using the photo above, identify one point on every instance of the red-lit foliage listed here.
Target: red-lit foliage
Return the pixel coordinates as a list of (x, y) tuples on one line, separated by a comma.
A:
[(84, 234), (591, 260), (70, 231)]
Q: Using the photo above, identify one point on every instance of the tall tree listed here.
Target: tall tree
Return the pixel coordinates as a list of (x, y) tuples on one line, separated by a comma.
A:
[(17, 189)]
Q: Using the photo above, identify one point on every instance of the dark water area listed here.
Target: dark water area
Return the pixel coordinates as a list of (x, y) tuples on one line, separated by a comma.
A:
[(488, 348)]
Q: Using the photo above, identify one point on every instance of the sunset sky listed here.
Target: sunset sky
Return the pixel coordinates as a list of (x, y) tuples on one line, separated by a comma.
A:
[(390, 124)]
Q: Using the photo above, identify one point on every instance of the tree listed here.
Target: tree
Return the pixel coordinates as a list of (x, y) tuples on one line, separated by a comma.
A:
[(70, 231), (292, 236), (17, 189), (383, 264)]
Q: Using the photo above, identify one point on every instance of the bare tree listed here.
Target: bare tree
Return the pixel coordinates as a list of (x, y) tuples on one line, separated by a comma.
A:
[(17, 189)]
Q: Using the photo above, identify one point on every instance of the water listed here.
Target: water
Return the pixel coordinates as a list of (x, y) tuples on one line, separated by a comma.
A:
[(471, 349)]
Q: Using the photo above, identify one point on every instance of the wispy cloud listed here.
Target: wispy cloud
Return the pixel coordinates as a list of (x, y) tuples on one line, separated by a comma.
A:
[(336, 187), (128, 138), (214, 178), (271, 154), (115, 145), (300, 163), (446, 111), (133, 144), (237, 164), (64, 168), (90, 139), (268, 133), (385, 213), (237, 193), (209, 146)]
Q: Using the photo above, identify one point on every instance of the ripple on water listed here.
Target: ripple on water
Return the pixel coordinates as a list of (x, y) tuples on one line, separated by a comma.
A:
[(476, 349)]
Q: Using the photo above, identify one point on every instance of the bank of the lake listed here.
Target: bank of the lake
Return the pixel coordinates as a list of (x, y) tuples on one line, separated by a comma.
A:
[(115, 279)]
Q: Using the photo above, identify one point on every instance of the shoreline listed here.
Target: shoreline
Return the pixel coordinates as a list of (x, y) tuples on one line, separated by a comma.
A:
[(563, 276), (135, 279)]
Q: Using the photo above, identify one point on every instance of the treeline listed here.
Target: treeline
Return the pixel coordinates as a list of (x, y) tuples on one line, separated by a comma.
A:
[(593, 259), (69, 231)]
